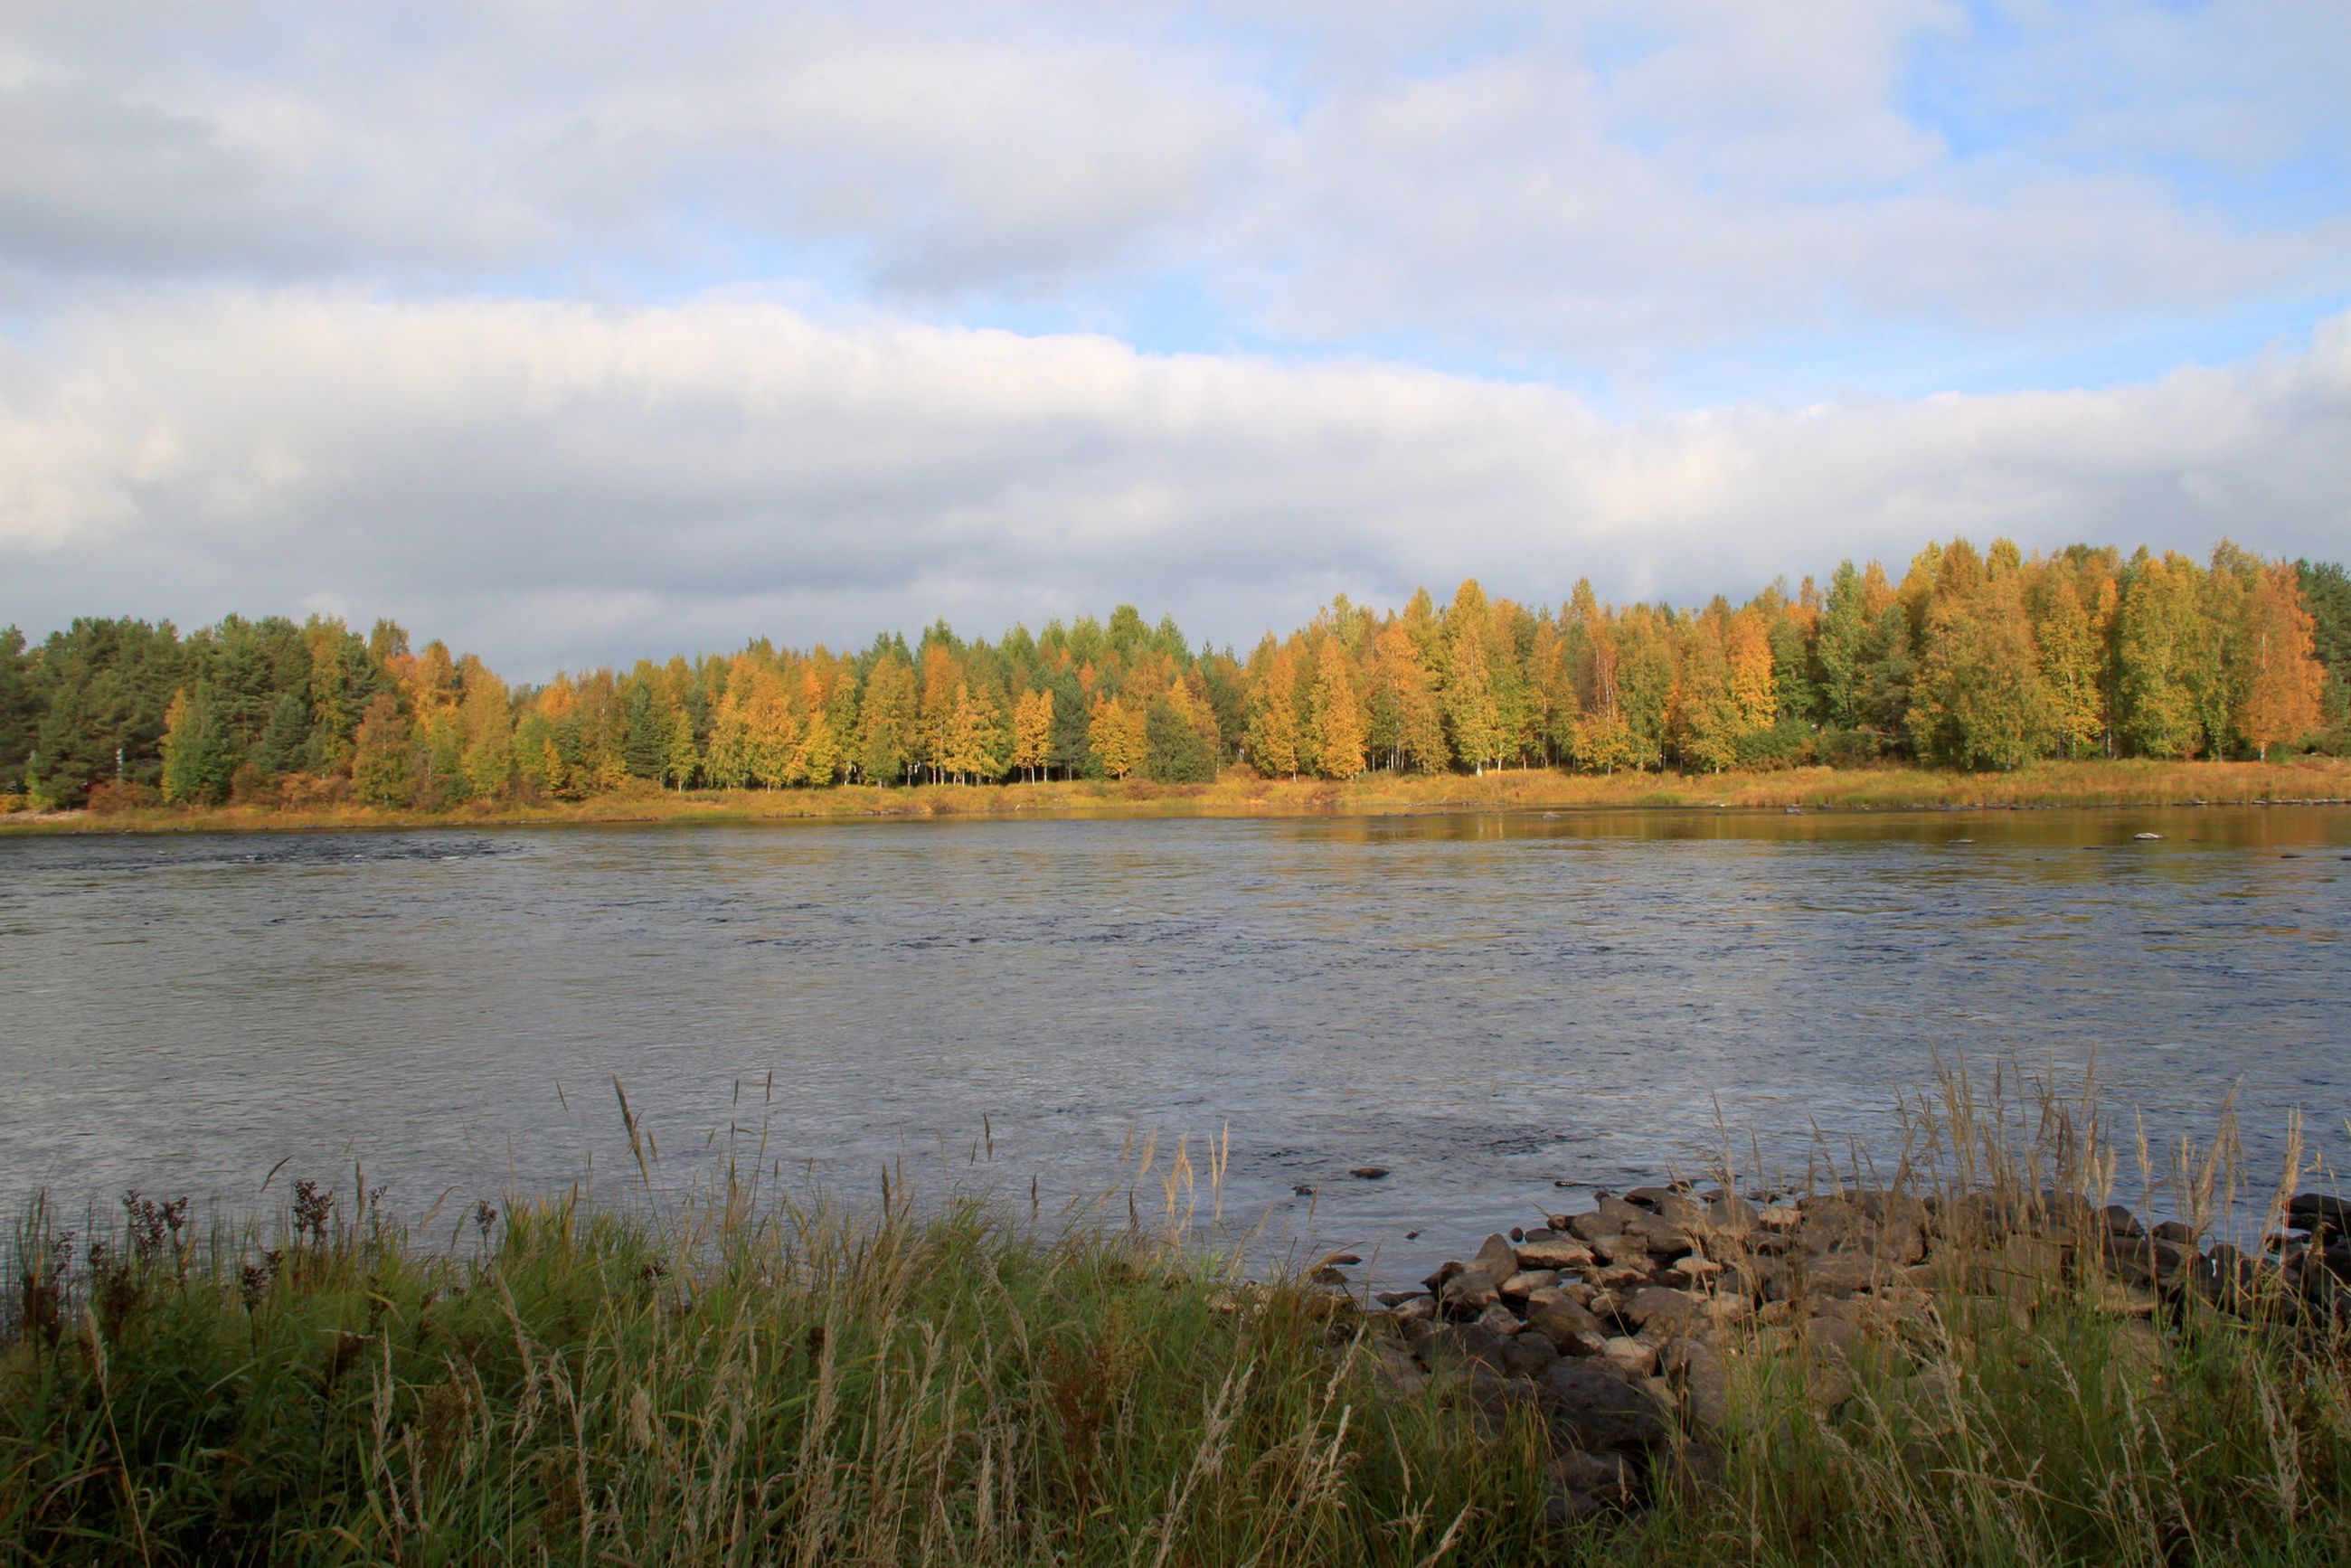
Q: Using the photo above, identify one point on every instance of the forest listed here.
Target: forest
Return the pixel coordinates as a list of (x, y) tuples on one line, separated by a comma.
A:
[(1975, 660)]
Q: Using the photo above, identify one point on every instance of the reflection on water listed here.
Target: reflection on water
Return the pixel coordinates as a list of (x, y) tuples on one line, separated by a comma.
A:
[(1486, 1004)]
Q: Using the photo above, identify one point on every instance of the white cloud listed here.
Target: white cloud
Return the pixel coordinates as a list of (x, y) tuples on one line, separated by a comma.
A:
[(547, 484)]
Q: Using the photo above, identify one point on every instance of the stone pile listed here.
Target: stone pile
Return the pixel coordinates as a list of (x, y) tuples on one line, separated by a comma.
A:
[(1618, 1325)]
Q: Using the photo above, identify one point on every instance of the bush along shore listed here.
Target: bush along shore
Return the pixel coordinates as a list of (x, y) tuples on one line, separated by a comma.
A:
[(1973, 1361)]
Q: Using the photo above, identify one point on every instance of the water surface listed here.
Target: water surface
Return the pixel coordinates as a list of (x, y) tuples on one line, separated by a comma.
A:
[(1486, 1004)]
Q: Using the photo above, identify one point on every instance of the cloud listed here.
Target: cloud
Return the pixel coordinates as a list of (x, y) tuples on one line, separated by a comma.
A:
[(551, 484), (1607, 188)]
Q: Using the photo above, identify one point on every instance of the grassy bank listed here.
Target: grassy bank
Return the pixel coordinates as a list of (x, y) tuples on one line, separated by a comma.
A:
[(1241, 794), (752, 1381)]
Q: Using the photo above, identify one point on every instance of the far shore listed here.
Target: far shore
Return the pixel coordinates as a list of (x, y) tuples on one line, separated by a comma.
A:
[(1240, 794)]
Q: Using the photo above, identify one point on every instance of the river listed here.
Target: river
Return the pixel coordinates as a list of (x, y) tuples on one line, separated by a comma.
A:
[(1486, 1005)]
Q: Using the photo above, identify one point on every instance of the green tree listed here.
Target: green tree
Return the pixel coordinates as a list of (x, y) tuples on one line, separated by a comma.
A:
[(1980, 700), (382, 759), (2156, 649), (199, 755), (1175, 751)]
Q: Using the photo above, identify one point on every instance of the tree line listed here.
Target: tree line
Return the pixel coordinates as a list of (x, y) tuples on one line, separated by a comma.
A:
[(1970, 660)]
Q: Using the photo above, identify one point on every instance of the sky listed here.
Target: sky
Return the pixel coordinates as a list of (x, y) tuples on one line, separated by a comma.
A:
[(576, 334)]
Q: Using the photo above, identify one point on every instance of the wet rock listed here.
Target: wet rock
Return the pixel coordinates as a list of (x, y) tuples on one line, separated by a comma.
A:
[(1588, 1409), (1368, 1173)]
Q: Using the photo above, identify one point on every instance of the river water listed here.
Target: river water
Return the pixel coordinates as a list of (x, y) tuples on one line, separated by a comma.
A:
[(1486, 1004)]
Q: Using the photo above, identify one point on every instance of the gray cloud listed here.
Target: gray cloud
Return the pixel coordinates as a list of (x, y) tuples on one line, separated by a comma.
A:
[(551, 484)]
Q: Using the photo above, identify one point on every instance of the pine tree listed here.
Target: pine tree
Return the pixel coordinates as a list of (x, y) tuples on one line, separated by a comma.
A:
[(198, 756)]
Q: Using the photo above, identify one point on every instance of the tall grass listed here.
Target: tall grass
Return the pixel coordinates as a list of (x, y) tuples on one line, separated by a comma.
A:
[(748, 1381), (748, 1377)]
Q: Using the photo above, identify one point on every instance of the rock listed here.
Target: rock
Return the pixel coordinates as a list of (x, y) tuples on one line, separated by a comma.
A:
[(1620, 1213), (1325, 1275), (2177, 1233), (1651, 1198), (1733, 1216), (1564, 1506), (1590, 1410), (2147, 835), (1628, 1357), (1527, 1281), (1676, 1209), (1620, 1247), (1834, 1331), (1703, 1376), (1397, 1298), (1414, 1309), (2121, 1221), (1368, 1173), (1696, 1270), (1725, 1307), (1457, 1347), (1780, 1216), (1588, 1228), (1571, 1328), (1394, 1369), (1659, 1312), (1477, 1284), (1553, 1252), (1604, 1476), (1839, 1273), (2319, 1211), (1500, 1321), (1527, 1354)]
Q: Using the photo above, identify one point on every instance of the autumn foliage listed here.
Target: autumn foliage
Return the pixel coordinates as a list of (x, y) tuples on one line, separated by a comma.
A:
[(1970, 660)]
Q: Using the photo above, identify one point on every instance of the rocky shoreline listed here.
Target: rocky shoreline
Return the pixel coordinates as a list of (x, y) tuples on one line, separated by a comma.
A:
[(1618, 1327)]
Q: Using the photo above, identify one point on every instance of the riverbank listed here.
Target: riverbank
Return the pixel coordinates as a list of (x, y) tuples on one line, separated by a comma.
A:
[(1240, 794), (2009, 1374)]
